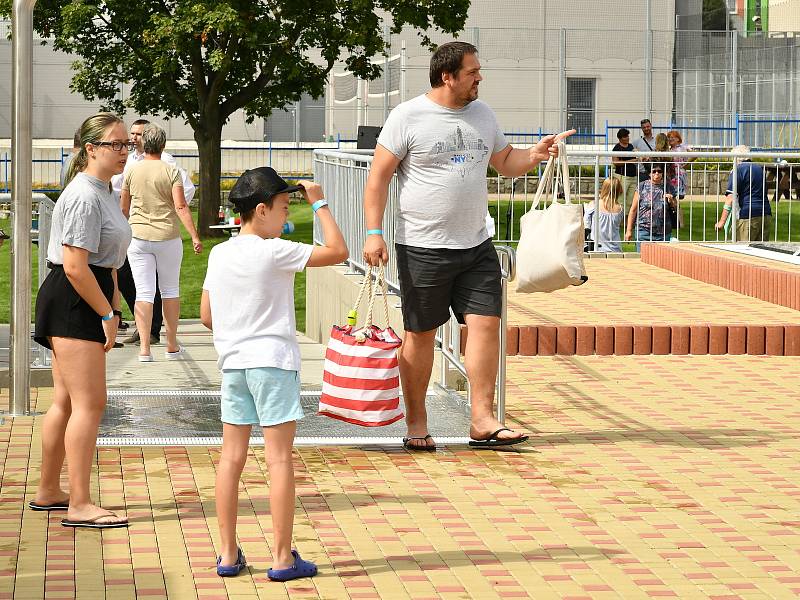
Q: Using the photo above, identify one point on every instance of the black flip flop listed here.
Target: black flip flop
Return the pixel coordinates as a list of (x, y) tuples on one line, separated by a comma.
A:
[(415, 448), (96, 523), (46, 507), (492, 441)]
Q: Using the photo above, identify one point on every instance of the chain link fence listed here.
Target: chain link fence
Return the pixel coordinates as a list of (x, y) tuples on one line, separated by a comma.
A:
[(544, 80)]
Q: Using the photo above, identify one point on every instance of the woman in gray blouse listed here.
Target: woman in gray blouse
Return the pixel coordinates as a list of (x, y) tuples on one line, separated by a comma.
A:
[(76, 317)]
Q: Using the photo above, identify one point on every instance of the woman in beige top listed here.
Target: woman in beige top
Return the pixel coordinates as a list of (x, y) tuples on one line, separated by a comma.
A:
[(152, 199)]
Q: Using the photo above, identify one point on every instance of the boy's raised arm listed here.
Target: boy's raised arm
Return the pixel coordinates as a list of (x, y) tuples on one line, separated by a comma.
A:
[(334, 250)]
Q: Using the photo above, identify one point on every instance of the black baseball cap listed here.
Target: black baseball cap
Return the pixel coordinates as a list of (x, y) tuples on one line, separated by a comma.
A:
[(255, 186)]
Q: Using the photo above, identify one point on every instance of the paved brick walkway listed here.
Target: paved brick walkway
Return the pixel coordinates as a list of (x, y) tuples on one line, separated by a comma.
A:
[(647, 476), (627, 291)]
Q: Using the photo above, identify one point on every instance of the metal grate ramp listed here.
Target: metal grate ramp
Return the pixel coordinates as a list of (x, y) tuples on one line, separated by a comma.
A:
[(191, 418)]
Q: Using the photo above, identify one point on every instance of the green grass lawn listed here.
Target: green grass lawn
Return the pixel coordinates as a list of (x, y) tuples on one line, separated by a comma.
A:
[(193, 270), (700, 215)]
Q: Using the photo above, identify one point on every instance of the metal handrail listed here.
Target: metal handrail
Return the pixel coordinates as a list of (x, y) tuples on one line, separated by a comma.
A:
[(343, 175), (45, 218), (668, 155)]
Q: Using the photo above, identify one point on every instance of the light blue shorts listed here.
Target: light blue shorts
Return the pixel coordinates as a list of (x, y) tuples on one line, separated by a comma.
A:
[(261, 396)]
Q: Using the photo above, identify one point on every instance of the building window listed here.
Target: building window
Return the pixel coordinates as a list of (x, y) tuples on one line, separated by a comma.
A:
[(580, 108)]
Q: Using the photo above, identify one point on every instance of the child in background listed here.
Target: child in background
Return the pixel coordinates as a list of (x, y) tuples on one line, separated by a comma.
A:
[(248, 302), (609, 216)]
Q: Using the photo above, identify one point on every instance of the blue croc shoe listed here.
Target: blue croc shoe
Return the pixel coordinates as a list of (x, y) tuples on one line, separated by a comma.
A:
[(301, 568), (234, 569)]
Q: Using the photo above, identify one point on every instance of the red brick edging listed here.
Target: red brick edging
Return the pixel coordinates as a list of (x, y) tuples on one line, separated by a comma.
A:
[(778, 286), (623, 340)]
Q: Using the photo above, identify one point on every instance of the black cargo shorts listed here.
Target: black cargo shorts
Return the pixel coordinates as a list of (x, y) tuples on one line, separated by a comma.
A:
[(433, 280)]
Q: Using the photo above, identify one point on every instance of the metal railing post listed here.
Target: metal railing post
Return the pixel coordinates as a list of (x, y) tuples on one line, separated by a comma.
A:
[(562, 77), (507, 269), (596, 215), (735, 76), (45, 213), (21, 156), (735, 204)]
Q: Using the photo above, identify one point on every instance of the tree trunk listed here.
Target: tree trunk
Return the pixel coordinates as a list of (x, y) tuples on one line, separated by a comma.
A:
[(208, 146)]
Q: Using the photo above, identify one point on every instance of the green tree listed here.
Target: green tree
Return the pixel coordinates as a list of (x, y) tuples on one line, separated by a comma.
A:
[(203, 60)]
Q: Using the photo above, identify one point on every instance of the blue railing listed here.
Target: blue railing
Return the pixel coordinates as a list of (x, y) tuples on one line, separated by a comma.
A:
[(746, 130)]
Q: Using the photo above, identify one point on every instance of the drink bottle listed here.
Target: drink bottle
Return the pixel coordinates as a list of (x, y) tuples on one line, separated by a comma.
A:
[(288, 227)]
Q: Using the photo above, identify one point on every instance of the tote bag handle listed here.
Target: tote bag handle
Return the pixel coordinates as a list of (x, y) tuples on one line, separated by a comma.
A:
[(380, 280), (555, 170)]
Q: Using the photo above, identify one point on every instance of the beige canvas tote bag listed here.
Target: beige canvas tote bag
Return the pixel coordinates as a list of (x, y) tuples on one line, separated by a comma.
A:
[(550, 249)]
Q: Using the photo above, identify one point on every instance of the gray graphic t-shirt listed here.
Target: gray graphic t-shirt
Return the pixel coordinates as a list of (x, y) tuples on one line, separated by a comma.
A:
[(444, 154)]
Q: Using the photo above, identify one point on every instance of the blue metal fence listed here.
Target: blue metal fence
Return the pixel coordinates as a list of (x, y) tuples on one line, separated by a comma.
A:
[(759, 134)]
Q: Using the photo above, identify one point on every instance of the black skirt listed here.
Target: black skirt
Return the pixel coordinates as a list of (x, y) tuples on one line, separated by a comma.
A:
[(61, 312)]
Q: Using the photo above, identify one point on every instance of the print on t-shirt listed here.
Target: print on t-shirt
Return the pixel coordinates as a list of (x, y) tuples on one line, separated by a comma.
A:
[(460, 152)]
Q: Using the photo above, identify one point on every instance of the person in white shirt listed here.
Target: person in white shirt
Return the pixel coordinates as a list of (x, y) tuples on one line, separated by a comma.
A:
[(248, 302), (125, 281), (137, 127)]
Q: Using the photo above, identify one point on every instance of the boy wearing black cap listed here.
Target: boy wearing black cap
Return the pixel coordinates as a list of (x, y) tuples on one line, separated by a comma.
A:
[(248, 296)]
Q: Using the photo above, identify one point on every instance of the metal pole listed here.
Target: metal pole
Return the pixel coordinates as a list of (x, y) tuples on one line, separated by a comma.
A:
[(696, 94), (21, 156), (710, 111), (358, 103), (648, 58), (596, 215), (734, 74), (792, 67), (735, 203), (543, 65), (562, 76), (365, 101), (386, 75), (329, 102), (683, 96), (403, 71), (725, 101), (507, 268), (443, 368), (757, 115), (773, 114), (296, 123)]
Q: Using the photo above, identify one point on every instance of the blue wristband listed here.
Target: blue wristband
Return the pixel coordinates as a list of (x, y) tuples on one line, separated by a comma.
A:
[(374, 231), (319, 204), (108, 317)]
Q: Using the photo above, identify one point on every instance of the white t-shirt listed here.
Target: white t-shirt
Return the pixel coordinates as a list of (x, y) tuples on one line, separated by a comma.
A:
[(250, 283), (444, 154)]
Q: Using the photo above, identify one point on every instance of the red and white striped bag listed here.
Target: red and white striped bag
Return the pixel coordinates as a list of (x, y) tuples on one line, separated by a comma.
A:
[(361, 377)]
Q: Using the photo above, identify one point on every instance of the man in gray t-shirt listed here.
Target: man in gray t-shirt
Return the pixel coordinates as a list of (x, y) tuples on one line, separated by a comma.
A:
[(440, 144), (646, 143)]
